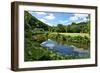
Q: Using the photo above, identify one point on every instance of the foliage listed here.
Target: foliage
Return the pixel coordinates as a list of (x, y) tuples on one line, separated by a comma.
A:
[(60, 28), (36, 32), (32, 22), (78, 28)]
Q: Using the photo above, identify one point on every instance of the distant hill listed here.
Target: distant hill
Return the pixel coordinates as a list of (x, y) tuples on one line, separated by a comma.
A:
[(32, 22)]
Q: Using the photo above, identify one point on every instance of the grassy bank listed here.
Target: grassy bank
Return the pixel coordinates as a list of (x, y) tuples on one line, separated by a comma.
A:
[(34, 52), (73, 34)]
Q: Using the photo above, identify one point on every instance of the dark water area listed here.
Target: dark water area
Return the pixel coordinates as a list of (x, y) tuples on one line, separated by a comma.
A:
[(65, 49)]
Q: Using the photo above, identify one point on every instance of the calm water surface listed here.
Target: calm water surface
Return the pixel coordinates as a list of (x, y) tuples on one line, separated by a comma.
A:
[(65, 49)]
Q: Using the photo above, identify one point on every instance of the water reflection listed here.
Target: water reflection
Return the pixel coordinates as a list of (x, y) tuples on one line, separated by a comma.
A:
[(65, 49)]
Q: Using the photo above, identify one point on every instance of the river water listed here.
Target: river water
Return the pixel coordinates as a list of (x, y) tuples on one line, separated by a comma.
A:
[(65, 49)]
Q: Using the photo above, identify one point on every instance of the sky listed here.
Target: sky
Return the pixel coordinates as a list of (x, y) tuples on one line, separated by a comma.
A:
[(54, 18)]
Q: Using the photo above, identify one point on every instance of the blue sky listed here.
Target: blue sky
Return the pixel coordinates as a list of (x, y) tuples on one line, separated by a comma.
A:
[(54, 18)]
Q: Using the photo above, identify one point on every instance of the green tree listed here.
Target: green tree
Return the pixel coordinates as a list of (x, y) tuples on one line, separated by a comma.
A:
[(61, 28)]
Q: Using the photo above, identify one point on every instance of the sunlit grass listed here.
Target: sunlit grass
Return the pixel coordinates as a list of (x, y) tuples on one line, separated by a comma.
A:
[(73, 34)]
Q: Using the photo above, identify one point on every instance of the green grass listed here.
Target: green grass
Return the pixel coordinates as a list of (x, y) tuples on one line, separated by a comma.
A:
[(74, 34)]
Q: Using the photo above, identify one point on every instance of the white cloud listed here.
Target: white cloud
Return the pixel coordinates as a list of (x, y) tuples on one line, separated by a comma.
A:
[(83, 20), (43, 20), (41, 13), (50, 17), (80, 15), (48, 24), (74, 18), (63, 21)]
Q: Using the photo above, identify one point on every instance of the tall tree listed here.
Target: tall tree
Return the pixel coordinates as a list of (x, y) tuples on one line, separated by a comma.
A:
[(61, 28)]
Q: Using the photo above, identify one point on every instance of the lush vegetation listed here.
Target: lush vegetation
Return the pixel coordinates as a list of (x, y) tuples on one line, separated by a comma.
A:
[(36, 32), (82, 27)]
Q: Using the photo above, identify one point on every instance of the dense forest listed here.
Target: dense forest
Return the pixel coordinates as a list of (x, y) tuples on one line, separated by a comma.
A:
[(37, 31)]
